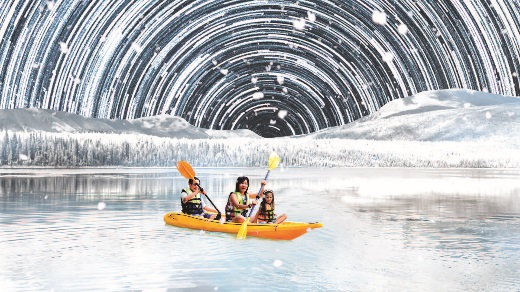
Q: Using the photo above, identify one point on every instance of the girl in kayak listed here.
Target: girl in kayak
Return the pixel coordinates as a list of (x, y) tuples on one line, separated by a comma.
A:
[(266, 212), (240, 202)]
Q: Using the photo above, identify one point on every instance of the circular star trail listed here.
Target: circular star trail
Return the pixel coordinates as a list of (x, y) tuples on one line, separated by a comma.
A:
[(278, 68)]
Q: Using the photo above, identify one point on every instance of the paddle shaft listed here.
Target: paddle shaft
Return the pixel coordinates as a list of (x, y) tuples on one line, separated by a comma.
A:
[(258, 195), (200, 188)]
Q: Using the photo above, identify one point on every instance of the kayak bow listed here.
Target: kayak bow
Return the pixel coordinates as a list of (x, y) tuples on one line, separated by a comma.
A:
[(285, 231)]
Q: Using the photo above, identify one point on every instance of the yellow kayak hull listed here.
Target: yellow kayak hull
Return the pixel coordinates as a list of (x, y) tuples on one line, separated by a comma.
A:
[(283, 231)]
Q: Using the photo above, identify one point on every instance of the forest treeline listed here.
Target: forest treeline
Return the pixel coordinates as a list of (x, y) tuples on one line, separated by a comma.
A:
[(91, 150), (74, 150)]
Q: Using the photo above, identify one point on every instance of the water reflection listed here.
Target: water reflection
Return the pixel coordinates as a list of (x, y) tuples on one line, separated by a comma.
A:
[(385, 229)]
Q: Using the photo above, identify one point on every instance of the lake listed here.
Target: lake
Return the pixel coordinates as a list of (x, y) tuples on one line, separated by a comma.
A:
[(385, 229)]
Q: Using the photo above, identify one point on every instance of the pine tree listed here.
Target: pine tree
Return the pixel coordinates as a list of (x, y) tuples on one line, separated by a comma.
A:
[(4, 148)]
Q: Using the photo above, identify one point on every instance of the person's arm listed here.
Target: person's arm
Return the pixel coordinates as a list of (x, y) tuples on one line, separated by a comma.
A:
[(210, 209), (187, 197), (234, 201), (202, 202), (206, 207), (183, 195)]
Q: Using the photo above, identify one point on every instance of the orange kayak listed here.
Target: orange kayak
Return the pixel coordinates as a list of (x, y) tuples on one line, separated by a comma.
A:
[(284, 231)]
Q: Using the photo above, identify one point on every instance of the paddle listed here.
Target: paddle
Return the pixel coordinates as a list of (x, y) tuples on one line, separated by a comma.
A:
[(187, 171), (272, 163)]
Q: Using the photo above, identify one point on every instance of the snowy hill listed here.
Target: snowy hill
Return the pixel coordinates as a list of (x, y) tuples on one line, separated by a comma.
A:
[(28, 120), (444, 115)]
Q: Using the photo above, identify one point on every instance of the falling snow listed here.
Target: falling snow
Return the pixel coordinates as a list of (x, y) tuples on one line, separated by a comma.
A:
[(64, 48), (258, 95), (311, 16), (379, 17), (299, 24), (101, 206), (282, 114), (388, 57), (402, 29)]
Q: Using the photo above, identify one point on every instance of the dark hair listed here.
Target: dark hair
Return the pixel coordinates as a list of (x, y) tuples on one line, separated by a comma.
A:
[(263, 209), (240, 180), (268, 191), (190, 181)]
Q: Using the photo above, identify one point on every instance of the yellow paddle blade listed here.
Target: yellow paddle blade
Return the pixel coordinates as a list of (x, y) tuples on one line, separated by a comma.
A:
[(273, 161), (242, 233), (185, 169)]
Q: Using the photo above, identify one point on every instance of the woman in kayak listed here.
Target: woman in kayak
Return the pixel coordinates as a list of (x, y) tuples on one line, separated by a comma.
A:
[(240, 202), (192, 202), (266, 212)]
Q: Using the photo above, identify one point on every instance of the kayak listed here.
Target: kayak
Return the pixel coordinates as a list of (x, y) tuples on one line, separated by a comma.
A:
[(285, 230)]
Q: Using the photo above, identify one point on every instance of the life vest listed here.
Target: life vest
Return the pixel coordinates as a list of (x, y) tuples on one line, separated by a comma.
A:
[(193, 206), (267, 216), (232, 211)]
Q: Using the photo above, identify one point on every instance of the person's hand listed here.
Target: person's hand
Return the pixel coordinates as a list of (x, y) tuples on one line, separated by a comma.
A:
[(263, 182), (253, 201)]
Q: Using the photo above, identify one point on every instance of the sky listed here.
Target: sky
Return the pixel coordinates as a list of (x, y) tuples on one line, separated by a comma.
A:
[(278, 68)]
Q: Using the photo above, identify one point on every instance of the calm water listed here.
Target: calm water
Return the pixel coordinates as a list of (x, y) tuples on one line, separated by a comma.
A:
[(385, 230)]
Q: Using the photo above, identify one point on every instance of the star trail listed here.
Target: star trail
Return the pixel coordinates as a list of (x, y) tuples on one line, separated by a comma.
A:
[(278, 68)]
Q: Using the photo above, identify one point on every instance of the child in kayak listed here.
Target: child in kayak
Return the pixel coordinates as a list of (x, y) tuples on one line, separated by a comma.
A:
[(240, 202), (192, 202), (266, 212)]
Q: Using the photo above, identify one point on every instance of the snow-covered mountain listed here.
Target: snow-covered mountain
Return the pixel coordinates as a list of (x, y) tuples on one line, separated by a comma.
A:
[(443, 115), (28, 120)]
